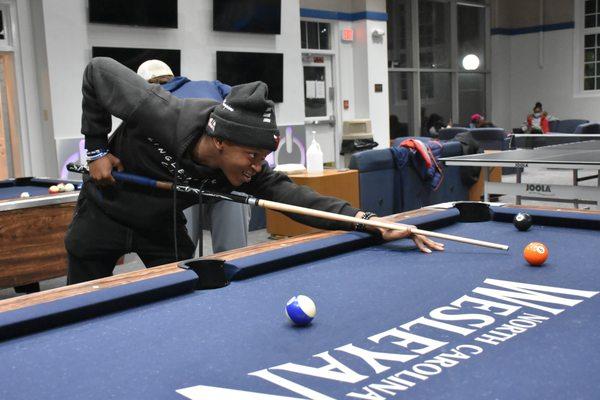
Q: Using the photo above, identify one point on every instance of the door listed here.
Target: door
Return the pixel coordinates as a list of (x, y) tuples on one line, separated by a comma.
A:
[(318, 104), (10, 153)]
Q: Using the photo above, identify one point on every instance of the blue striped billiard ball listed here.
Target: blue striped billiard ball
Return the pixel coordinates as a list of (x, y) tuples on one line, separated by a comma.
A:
[(301, 310)]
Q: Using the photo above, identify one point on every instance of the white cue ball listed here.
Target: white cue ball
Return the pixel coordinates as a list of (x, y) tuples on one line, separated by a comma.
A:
[(69, 187), (25, 194)]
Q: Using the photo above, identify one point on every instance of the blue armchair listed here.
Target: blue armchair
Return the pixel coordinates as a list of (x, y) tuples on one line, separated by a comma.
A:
[(386, 190), (376, 180), (590, 127), (491, 138)]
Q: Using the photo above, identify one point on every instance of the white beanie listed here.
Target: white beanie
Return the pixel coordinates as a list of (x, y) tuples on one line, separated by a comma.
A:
[(153, 68)]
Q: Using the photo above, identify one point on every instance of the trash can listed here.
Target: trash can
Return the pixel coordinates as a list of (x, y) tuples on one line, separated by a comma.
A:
[(357, 136)]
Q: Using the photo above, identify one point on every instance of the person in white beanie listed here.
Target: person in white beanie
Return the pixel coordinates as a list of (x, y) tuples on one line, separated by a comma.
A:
[(232, 230), (155, 71)]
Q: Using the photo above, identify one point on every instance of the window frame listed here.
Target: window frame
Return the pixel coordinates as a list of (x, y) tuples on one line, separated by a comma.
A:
[(578, 51), (6, 44), (455, 69), (316, 21)]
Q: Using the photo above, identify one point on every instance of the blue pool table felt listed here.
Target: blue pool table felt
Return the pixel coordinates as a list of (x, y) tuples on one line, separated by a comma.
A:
[(12, 189), (218, 337)]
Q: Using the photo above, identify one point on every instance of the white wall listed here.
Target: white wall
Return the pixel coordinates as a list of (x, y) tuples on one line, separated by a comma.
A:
[(61, 39), (360, 80), (514, 93), (500, 67), (379, 107), (369, 67), (347, 73), (69, 39), (32, 88)]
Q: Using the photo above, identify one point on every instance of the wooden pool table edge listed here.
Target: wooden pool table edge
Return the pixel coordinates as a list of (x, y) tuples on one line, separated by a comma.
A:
[(129, 277)]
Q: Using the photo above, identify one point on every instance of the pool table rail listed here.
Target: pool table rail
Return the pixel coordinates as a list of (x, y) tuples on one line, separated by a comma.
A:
[(129, 277)]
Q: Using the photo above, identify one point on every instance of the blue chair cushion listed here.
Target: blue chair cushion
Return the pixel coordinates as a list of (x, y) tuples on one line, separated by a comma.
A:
[(449, 133), (568, 125)]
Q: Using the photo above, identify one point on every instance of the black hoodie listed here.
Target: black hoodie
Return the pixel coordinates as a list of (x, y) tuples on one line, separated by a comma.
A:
[(154, 140)]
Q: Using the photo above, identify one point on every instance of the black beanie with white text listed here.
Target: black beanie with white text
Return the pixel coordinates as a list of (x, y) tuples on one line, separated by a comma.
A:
[(246, 117)]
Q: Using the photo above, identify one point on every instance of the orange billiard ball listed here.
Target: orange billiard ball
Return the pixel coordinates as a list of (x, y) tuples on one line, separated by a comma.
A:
[(535, 253)]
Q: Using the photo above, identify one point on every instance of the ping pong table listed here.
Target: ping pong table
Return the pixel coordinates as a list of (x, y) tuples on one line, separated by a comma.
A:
[(533, 140), (571, 156)]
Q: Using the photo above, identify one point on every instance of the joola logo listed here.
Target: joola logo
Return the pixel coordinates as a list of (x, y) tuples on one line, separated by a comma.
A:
[(212, 124), (538, 188)]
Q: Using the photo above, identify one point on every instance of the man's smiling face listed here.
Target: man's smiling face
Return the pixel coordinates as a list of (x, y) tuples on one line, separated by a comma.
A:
[(240, 163)]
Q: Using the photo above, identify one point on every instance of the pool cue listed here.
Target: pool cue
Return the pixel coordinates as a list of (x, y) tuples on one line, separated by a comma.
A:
[(273, 205)]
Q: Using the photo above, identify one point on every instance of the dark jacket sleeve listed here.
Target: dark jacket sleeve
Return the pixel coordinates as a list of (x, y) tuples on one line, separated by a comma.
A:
[(275, 186), (108, 88)]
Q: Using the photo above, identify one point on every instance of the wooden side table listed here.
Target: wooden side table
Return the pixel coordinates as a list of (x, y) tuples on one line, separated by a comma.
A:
[(331, 182), (476, 191)]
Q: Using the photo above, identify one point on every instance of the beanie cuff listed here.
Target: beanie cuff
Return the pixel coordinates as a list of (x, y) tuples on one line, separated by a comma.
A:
[(252, 136)]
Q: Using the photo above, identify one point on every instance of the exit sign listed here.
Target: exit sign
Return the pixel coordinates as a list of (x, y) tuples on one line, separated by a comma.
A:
[(347, 35)]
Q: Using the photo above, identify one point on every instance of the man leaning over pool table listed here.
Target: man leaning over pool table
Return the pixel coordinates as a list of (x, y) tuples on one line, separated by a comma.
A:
[(216, 146)]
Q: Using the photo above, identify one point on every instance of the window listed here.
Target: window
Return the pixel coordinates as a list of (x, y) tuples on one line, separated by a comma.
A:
[(401, 106), (434, 34), (399, 31), (589, 58), (591, 41), (591, 66), (471, 45), (471, 97), (429, 83), (592, 14), (471, 34), (315, 35), (2, 33), (436, 100), (5, 37), (314, 105)]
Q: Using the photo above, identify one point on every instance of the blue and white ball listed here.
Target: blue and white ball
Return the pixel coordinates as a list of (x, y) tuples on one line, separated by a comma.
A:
[(301, 310)]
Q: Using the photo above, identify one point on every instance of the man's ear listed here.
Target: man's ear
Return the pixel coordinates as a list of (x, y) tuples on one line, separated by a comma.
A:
[(217, 142)]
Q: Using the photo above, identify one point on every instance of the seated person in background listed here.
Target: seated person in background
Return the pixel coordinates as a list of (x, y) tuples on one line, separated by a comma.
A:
[(434, 124), (396, 128), (537, 122), (479, 121), (475, 119), (232, 230), (156, 71), (219, 145)]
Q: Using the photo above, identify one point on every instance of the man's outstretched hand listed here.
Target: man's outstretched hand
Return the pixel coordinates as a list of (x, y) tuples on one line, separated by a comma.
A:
[(423, 243)]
